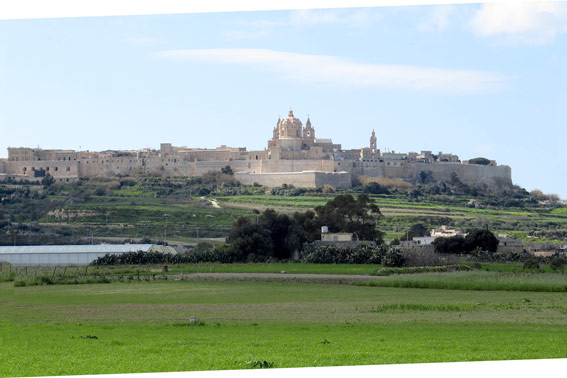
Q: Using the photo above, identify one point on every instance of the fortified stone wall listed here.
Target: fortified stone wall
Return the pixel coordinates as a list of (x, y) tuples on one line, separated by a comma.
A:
[(467, 173), (308, 179), (410, 171), (56, 168), (181, 166)]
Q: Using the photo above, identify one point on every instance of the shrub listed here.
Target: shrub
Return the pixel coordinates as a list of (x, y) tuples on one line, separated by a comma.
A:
[(393, 258), (360, 254), (479, 161), (531, 263), (558, 262)]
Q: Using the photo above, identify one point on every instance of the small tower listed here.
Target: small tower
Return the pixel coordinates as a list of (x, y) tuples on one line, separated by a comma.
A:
[(277, 130), (308, 131), (373, 141)]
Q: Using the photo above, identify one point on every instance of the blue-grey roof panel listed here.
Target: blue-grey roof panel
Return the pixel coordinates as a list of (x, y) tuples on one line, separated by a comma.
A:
[(97, 248)]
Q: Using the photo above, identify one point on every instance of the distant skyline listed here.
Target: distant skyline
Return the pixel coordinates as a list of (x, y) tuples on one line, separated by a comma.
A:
[(475, 80)]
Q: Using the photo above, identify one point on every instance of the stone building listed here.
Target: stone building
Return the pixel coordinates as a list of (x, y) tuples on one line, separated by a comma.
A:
[(294, 155)]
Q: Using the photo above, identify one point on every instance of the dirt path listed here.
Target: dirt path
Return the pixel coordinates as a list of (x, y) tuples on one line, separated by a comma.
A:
[(284, 275)]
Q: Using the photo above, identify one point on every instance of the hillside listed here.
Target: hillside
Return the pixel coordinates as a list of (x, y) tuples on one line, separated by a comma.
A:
[(185, 210)]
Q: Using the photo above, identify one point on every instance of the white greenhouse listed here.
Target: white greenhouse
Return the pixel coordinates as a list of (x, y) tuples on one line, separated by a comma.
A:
[(61, 255)]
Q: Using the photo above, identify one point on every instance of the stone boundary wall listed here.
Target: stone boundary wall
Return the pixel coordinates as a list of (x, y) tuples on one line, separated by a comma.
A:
[(56, 168), (467, 173), (180, 166), (410, 171), (306, 179)]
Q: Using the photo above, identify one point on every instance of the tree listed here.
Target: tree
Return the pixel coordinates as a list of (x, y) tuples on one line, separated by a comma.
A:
[(47, 181), (426, 177), (483, 239), (309, 224), (417, 230), (374, 188), (455, 180), (227, 170), (346, 214), (480, 161), (248, 240), (558, 262), (454, 244), (278, 226)]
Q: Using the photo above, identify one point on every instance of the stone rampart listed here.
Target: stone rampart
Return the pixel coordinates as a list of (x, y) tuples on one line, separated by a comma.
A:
[(467, 173), (306, 179), (56, 168), (410, 171), (182, 166)]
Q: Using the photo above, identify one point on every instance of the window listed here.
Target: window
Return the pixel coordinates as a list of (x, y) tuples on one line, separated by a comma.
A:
[(56, 169), (68, 169)]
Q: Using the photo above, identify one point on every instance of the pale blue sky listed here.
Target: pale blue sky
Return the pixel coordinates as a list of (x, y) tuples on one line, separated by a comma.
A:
[(474, 80)]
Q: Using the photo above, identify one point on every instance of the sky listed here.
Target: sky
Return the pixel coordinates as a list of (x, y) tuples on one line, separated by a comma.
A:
[(476, 80)]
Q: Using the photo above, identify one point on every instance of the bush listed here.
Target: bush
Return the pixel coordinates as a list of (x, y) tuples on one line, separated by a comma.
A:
[(531, 263), (360, 254), (558, 262), (393, 258), (479, 161), (374, 188)]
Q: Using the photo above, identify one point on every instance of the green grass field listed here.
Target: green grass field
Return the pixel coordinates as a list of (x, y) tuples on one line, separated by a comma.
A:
[(144, 326)]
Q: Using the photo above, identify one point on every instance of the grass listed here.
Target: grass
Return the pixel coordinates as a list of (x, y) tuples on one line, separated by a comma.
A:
[(101, 274), (477, 280), (144, 326), (117, 348)]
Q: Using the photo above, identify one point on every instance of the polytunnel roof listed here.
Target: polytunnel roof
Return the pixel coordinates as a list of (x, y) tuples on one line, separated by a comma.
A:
[(96, 248)]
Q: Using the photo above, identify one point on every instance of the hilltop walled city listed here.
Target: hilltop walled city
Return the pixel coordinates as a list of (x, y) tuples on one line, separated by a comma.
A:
[(294, 156)]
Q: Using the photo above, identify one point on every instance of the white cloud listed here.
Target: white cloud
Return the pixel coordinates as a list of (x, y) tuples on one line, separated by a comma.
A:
[(143, 41), (521, 22), (321, 69), (244, 34), (438, 19), (356, 18)]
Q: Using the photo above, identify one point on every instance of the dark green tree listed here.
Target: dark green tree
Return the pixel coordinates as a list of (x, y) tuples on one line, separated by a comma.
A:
[(278, 225), (480, 161), (454, 244), (47, 180), (426, 177), (309, 224), (417, 230), (227, 170), (346, 214), (483, 239), (374, 188), (249, 240)]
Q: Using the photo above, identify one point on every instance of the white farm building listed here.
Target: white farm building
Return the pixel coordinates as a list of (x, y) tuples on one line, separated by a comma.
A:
[(61, 255)]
